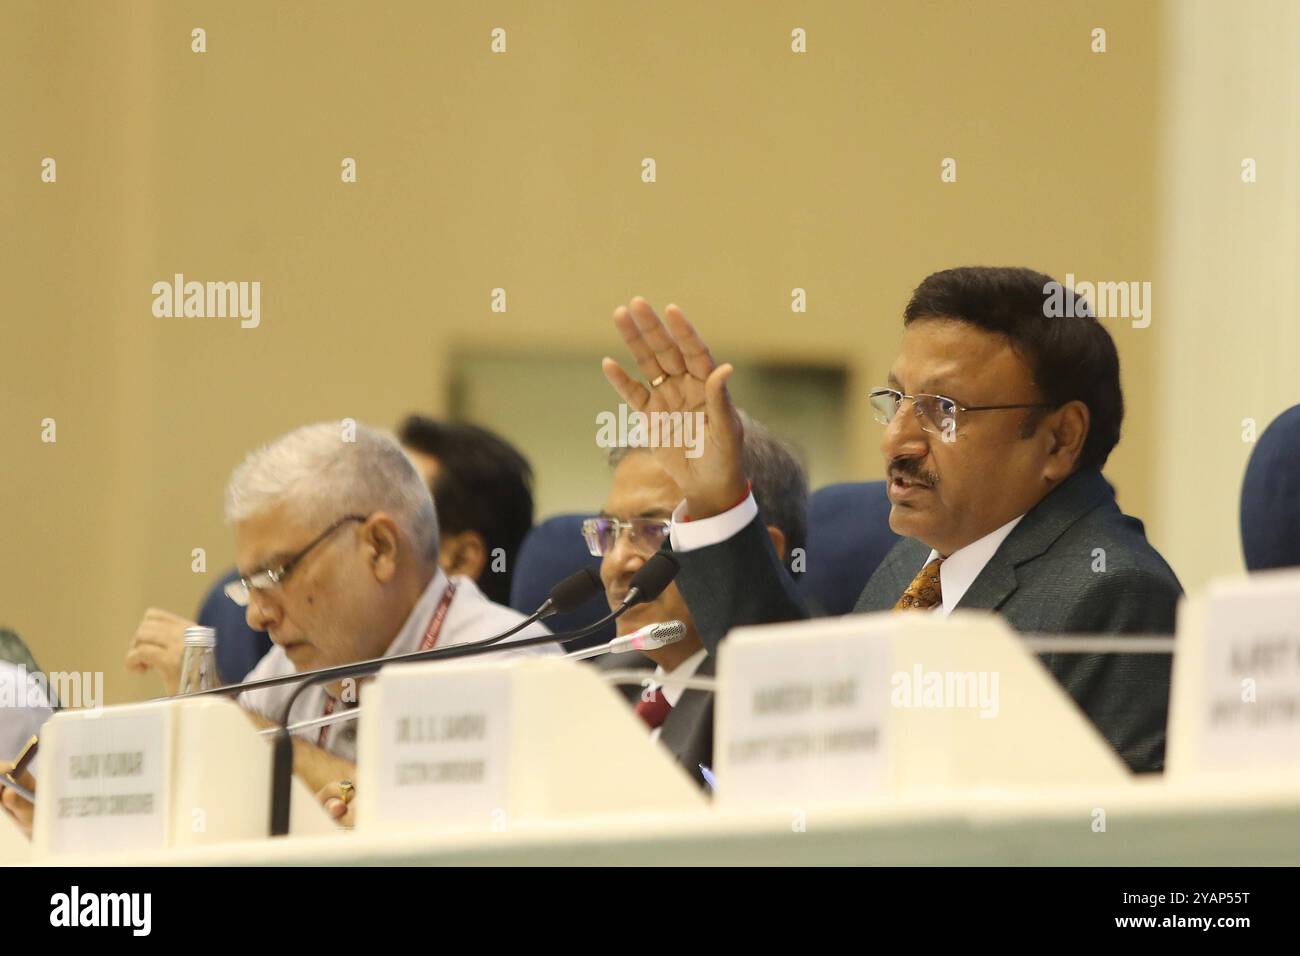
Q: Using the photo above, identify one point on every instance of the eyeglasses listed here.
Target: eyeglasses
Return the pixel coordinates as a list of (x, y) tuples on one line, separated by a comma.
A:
[(646, 534), (937, 414), (270, 578)]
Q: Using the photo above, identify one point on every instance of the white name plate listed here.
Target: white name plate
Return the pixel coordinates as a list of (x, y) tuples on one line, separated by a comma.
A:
[(441, 745), (462, 745), (802, 717), (104, 781), (1237, 677), (836, 710)]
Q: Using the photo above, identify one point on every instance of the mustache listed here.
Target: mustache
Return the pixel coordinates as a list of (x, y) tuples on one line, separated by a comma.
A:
[(910, 468)]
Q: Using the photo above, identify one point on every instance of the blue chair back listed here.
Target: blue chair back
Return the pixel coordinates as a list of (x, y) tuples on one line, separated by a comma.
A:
[(552, 551), (848, 537), (1270, 496)]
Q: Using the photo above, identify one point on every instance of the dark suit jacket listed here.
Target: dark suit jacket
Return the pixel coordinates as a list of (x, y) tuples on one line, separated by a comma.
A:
[(687, 731), (1041, 580)]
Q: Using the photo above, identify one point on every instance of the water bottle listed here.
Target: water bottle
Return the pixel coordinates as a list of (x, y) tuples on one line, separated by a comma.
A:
[(199, 665)]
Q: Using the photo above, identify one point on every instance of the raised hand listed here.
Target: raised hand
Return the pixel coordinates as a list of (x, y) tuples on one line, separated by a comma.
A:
[(673, 355)]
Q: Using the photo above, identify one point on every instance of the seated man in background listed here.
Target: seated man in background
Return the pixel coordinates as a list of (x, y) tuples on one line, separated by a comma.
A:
[(482, 490), (631, 527), (998, 418)]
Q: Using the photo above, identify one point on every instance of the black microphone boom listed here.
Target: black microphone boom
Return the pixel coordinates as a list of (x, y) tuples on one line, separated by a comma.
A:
[(569, 594)]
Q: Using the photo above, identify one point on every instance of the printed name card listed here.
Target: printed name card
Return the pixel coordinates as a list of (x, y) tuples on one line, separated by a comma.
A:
[(803, 714), (1248, 694), (104, 780), (834, 711), (439, 738)]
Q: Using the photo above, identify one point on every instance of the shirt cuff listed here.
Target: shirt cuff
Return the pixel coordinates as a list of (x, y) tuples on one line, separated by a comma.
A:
[(702, 532)]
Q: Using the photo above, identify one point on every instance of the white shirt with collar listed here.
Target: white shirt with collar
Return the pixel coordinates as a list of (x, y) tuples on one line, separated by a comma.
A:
[(959, 571), (956, 574), (470, 617), (672, 691)]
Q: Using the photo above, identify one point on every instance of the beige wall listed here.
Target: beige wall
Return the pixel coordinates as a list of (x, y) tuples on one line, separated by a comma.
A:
[(1228, 331), (519, 171)]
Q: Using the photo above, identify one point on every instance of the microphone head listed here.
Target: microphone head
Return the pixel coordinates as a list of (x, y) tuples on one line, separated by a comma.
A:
[(575, 590), (661, 635), (653, 576)]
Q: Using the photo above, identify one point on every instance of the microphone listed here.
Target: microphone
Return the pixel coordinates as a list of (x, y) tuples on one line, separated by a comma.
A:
[(648, 638), (647, 583), (651, 579)]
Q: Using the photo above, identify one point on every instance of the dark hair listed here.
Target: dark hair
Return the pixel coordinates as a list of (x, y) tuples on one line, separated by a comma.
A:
[(483, 484), (1071, 356)]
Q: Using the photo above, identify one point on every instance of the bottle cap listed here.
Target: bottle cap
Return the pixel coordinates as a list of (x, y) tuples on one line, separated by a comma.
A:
[(200, 636)]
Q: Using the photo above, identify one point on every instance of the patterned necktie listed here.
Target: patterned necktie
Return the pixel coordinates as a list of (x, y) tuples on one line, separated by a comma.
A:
[(925, 590), (654, 712)]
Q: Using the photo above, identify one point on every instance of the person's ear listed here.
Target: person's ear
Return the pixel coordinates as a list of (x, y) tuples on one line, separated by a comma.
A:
[(380, 538), (464, 553), (1067, 429), (778, 540)]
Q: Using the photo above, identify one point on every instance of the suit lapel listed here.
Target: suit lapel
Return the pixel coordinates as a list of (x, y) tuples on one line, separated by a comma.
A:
[(1040, 528), (681, 728), (893, 576)]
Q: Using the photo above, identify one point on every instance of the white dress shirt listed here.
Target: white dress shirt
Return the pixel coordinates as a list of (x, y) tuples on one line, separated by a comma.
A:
[(956, 574), (673, 692), (964, 565), (470, 617)]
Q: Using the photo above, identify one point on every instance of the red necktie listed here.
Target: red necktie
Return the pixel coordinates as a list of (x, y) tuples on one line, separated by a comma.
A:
[(655, 711)]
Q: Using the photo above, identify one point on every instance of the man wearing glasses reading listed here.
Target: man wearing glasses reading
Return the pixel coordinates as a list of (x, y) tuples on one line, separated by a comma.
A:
[(337, 543), (997, 419), (336, 540)]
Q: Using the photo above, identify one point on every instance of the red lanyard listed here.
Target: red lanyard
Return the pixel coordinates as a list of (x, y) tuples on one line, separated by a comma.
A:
[(430, 639), (439, 615)]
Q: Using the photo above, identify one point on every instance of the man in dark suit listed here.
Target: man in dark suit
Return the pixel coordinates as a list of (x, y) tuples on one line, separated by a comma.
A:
[(998, 417), (632, 525)]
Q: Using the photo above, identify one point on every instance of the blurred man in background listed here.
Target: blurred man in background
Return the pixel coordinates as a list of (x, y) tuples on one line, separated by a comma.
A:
[(632, 526), (483, 490)]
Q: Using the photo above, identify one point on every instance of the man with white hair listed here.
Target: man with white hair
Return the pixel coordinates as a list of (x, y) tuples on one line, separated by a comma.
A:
[(336, 541)]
